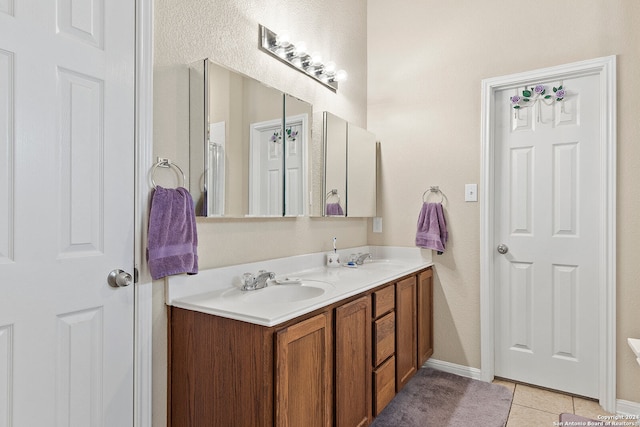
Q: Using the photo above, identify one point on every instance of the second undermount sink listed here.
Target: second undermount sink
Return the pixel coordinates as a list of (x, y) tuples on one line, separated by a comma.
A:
[(276, 294), (380, 264)]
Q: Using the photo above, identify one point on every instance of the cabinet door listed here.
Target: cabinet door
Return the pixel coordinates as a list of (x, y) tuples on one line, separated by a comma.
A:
[(425, 316), (303, 373), (353, 366), (406, 335)]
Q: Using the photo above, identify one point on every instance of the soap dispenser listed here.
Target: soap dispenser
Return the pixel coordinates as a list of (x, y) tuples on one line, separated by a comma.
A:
[(333, 258)]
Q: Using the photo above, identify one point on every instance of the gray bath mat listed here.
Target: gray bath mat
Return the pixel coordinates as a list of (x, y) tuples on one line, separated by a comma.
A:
[(436, 398)]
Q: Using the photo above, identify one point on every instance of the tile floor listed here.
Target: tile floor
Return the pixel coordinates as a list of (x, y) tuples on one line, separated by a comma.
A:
[(537, 407)]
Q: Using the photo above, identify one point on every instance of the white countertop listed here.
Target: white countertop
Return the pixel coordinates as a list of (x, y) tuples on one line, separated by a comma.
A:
[(217, 292)]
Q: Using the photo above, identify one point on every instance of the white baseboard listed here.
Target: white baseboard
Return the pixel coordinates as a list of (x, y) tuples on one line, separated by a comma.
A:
[(452, 368), (625, 407)]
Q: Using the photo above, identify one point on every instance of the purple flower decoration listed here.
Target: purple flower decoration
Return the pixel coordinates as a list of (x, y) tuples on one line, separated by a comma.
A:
[(516, 99), (540, 89), (560, 94), (274, 137)]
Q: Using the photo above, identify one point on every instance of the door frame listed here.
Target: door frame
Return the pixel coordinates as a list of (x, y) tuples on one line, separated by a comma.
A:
[(605, 67), (143, 296)]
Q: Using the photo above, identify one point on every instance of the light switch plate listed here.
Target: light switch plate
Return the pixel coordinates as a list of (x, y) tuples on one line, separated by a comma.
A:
[(471, 192), (377, 224)]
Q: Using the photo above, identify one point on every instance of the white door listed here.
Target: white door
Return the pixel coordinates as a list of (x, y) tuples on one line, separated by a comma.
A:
[(266, 165), (295, 180), (547, 209), (66, 212)]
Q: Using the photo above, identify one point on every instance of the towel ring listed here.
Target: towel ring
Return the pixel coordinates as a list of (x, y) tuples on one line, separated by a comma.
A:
[(166, 163), (434, 189), (333, 192)]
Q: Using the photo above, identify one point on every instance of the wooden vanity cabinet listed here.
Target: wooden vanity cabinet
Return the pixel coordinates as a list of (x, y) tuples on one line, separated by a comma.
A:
[(339, 365), (406, 331), (352, 363)]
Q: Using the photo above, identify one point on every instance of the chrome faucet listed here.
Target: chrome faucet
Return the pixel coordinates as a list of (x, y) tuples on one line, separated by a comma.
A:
[(361, 257), (252, 282)]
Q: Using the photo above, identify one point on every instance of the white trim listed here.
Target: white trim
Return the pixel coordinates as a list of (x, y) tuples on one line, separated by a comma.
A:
[(606, 68), (452, 368), (626, 407), (142, 370)]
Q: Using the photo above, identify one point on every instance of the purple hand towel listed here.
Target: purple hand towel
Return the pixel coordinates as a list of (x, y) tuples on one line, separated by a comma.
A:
[(173, 239), (432, 228), (334, 209)]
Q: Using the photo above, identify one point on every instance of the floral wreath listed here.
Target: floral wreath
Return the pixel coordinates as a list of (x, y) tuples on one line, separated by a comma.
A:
[(291, 135), (539, 92)]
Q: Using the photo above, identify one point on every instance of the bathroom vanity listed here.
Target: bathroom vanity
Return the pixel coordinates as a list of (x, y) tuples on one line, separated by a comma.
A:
[(337, 361)]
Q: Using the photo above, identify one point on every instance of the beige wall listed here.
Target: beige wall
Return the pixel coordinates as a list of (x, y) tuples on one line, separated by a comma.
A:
[(226, 31), (426, 62)]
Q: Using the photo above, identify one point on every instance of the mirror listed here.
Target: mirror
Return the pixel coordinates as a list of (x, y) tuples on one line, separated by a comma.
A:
[(361, 172), (245, 159), (350, 164), (297, 131), (335, 165)]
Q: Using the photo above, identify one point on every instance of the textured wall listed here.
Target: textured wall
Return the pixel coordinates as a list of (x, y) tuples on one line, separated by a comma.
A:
[(426, 63), (226, 31)]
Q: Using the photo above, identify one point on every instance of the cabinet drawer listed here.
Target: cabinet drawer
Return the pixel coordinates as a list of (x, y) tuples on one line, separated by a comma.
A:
[(384, 385), (384, 338), (384, 301)]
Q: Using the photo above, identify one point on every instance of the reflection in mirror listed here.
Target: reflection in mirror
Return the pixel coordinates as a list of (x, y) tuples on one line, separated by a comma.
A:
[(335, 164), (297, 137), (350, 170), (236, 146), (262, 111)]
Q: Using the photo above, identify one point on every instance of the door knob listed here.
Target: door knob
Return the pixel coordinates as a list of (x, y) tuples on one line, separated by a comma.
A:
[(119, 278), (503, 249)]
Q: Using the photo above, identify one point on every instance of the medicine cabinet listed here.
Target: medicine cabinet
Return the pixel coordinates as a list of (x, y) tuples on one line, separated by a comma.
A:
[(350, 164), (248, 146)]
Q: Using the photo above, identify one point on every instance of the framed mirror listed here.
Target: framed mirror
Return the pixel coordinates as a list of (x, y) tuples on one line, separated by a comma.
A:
[(246, 159), (335, 165), (350, 170)]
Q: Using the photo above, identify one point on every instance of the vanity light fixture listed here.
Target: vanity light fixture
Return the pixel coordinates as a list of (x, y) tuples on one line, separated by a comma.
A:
[(297, 56)]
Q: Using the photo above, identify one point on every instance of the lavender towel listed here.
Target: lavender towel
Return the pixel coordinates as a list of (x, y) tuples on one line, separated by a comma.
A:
[(173, 239), (432, 228), (334, 209)]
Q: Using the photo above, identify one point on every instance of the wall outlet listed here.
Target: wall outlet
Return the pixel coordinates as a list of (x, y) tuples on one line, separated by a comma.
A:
[(377, 224), (471, 192)]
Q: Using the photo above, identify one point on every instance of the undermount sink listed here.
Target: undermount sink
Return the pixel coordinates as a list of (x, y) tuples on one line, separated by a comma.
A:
[(275, 293)]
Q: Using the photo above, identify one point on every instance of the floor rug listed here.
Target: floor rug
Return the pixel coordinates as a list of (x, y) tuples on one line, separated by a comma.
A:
[(436, 398)]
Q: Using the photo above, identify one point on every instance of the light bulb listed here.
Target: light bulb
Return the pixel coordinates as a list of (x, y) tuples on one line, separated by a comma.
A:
[(296, 62), (283, 39), (330, 67), (300, 49), (316, 58), (281, 52), (341, 75)]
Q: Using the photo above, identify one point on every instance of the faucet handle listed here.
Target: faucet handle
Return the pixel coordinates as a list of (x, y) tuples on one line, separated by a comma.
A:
[(248, 281)]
